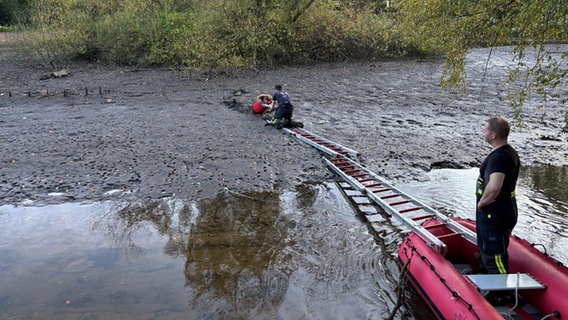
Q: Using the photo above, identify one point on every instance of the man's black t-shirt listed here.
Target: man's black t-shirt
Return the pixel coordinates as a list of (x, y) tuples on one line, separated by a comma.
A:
[(504, 210)]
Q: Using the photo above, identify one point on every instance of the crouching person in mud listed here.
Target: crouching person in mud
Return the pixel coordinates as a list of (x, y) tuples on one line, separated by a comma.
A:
[(264, 105), (284, 110)]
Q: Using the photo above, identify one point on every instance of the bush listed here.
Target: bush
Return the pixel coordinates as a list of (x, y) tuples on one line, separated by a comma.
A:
[(219, 36), (12, 11)]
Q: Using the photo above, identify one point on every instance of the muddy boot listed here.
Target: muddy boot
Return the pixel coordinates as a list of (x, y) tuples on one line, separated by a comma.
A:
[(295, 124), (279, 124)]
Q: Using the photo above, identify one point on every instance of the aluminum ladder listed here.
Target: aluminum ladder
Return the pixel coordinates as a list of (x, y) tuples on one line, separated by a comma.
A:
[(327, 146), (395, 202)]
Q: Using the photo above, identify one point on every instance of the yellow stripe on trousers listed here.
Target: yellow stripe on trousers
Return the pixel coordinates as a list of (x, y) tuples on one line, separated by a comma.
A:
[(500, 265)]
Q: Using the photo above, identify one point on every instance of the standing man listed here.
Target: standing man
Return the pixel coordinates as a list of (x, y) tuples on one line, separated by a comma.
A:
[(496, 212)]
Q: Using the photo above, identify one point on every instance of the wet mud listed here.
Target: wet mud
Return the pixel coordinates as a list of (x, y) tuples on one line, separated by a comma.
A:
[(139, 133)]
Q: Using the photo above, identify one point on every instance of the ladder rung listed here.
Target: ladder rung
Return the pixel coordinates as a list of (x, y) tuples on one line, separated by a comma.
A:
[(434, 226), (396, 203), (410, 209), (426, 216), (449, 235), (372, 185)]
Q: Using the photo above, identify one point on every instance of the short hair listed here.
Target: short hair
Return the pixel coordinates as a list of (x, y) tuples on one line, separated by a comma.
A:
[(499, 126)]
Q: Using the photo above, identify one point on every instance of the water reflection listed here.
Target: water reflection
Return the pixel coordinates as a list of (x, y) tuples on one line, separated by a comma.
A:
[(298, 254), (551, 181), (544, 209), (229, 254)]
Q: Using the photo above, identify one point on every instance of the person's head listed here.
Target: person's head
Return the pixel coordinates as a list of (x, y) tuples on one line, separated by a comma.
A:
[(496, 128), (278, 87), (265, 98)]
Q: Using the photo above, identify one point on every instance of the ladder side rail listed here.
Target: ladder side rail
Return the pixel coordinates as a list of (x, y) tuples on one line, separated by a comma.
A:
[(452, 225), (314, 144), (428, 237), (351, 152), (465, 232), (354, 183)]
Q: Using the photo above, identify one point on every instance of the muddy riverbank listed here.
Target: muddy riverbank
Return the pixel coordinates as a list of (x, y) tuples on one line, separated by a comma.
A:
[(125, 132)]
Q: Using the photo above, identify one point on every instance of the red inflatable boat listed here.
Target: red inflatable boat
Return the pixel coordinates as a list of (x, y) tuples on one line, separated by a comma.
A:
[(440, 256), (446, 281)]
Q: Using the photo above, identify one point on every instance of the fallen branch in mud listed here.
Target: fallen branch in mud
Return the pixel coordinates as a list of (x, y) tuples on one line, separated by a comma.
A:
[(241, 195), (65, 72)]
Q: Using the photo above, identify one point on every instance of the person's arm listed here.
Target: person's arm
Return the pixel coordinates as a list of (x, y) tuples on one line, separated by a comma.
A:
[(492, 189)]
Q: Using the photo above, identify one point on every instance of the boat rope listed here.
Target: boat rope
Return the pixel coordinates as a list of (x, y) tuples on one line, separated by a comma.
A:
[(455, 294), (402, 280), (512, 309), (543, 248), (555, 314), (534, 245)]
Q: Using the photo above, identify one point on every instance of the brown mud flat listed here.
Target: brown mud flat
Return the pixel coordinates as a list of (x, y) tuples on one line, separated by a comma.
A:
[(150, 133)]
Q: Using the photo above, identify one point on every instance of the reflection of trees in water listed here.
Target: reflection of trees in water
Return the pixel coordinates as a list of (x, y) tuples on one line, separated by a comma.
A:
[(232, 244), (232, 252), (551, 181), (169, 217)]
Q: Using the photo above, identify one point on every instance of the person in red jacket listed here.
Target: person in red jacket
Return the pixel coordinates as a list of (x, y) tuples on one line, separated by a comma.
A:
[(263, 104)]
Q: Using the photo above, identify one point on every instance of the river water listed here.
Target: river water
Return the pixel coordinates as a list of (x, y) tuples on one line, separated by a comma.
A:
[(304, 253), (301, 254)]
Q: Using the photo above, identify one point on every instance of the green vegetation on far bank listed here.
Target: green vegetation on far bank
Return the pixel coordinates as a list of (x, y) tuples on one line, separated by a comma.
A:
[(228, 36), (215, 35)]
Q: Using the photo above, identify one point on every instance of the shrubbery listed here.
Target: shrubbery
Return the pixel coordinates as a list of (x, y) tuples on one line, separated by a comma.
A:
[(12, 11), (214, 35)]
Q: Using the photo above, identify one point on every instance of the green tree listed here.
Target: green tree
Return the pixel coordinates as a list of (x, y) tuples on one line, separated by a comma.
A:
[(454, 26), (210, 36), (12, 11)]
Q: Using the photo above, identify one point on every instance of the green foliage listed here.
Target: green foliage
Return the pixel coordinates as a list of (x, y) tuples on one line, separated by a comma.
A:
[(12, 11), (7, 29), (332, 32), (215, 35), (454, 26)]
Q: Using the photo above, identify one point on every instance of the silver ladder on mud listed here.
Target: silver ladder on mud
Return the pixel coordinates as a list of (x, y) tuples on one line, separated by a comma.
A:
[(396, 202), (327, 146)]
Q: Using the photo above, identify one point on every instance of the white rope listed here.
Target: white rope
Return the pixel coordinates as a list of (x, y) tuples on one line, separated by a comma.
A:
[(516, 293)]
